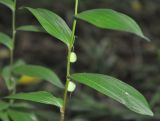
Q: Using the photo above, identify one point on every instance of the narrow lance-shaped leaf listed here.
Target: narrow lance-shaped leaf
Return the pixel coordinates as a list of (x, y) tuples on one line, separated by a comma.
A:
[(22, 116), (53, 24), (115, 89), (6, 74), (3, 105), (6, 40), (4, 116), (18, 63), (110, 19), (8, 3), (40, 72), (40, 97), (23, 105), (31, 28)]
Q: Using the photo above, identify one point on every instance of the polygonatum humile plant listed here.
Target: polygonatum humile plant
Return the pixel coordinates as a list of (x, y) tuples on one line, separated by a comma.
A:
[(55, 26)]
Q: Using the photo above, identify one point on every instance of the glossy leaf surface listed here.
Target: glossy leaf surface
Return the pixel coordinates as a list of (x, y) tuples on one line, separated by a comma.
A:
[(3, 105), (40, 97), (40, 72), (53, 24), (4, 116), (6, 40), (21, 116), (115, 89), (8, 3), (110, 19), (31, 28), (6, 74)]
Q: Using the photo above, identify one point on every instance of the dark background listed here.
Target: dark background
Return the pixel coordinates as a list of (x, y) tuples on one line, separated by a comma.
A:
[(118, 54)]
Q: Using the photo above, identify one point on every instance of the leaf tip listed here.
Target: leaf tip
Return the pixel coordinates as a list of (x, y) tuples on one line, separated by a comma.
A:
[(146, 38), (150, 113), (22, 7)]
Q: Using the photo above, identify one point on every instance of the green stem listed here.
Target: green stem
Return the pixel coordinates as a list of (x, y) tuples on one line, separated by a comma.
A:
[(13, 32), (13, 91), (66, 86), (68, 64)]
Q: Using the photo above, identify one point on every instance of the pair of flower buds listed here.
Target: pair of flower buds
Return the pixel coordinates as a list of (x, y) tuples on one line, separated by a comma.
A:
[(72, 85)]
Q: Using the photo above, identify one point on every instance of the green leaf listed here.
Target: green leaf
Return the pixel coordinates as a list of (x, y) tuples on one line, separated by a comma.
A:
[(117, 90), (6, 74), (110, 19), (40, 97), (23, 105), (40, 72), (4, 116), (22, 116), (31, 28), (3, 105), (6, 40), (8, 3), (47, 115), (18, 63), (53, 24)]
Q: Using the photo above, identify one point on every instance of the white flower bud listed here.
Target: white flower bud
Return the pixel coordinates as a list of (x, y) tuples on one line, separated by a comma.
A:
[(71, 86), (73, 57)]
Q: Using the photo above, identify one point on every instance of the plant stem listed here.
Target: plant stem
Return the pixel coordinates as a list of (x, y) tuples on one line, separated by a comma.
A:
[(68, 64), (13, 91), (66, 86)]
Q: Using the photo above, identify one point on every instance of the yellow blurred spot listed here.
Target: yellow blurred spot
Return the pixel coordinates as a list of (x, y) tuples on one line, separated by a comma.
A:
[(28, 80), (136, 6)]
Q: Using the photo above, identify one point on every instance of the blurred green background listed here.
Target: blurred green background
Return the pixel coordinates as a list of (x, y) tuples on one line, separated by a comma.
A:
[(119, 54)]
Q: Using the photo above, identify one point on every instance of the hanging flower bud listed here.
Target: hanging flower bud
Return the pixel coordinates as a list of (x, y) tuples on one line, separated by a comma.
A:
[(71, 86), (73, 57)]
